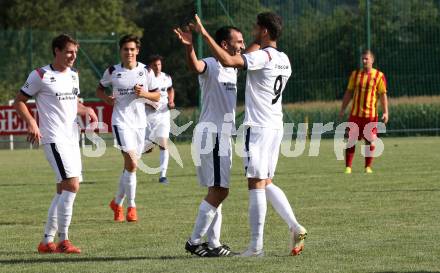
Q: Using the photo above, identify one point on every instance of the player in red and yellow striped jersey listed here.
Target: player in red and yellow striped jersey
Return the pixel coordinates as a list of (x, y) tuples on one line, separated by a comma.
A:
[(366, 86)]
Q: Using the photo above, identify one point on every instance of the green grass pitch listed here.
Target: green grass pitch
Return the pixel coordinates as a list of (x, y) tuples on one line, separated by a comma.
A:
[(384, 222)]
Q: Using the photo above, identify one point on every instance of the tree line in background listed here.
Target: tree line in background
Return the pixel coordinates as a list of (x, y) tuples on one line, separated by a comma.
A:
[(322, 38)]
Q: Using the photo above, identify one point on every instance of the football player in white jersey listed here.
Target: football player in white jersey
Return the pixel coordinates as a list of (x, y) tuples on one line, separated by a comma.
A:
[(56, 88), (268, 70), (158, 116), (218, 86), (132, 84)]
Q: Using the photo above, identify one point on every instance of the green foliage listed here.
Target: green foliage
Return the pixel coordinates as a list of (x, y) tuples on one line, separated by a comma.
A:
[(158, 20), (322, 38), (28, 27), (22, 51), (80, 15), (406, 38)]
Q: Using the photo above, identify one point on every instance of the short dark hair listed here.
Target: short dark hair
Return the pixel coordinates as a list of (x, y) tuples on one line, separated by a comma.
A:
[(224, 34), (368, 51), (154, 58), (130, 38), (272, 22), (61, 41)]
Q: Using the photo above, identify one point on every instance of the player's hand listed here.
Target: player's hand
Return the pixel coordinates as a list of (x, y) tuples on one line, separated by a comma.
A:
[(185, 37), (198, 26), (34, 135), (171, 105), (138, 90), (110, 100), (92, 117), (385, 118)]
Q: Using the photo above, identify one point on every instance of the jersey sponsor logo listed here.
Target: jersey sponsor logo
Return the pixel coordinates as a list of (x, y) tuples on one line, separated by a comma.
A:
[(229, 86), (52, 79), (141, 74), (281, 66), (74, 78), (125, 91), (68, 96), (119, 75)]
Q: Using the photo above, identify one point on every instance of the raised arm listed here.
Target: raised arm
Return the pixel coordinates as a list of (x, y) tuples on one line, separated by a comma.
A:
[(224, 57), (34, 135), (193, 63)]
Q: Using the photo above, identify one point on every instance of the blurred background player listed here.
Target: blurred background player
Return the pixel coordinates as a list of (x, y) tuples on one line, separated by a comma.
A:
[(218, 86), (268, 70), (158, 116), (130, 80), (366, 85), (56, 89)]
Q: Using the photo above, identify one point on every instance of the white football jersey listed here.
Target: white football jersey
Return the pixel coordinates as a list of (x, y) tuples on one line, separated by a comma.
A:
[(267, 73), (218, 85), (129, 110), (164, 82), (56, 96)]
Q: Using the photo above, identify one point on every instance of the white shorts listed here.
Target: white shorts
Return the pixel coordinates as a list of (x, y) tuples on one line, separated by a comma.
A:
[(262, 146), (130, 139), (215, 164), (158, 126), (65, 160)]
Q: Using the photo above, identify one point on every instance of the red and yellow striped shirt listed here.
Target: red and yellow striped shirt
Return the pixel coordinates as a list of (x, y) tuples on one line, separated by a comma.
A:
[(366, 88)]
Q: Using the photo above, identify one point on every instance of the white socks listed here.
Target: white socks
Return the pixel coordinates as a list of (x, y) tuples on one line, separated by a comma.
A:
[(65, 209), (215, 229), (164, 158), (257, 215), (120, 195), (52, 221), (130, 188), (281, 205), (203, 221)]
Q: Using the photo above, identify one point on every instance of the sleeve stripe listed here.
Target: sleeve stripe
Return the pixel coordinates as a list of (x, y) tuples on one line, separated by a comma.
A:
[(268, 54), (206, 67), (26, 94), (245, 63), (111, 69), (102, 86), (40, 72)]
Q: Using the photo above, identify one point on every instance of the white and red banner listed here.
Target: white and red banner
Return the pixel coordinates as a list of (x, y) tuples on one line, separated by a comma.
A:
[(12, 124)]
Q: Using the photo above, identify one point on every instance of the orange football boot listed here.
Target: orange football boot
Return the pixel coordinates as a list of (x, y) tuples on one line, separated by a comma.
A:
[(132, 214), (47, 248), (67, 247), (118, 211)]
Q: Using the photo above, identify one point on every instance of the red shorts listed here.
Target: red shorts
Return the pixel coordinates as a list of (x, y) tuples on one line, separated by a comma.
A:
[(370, 134)]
